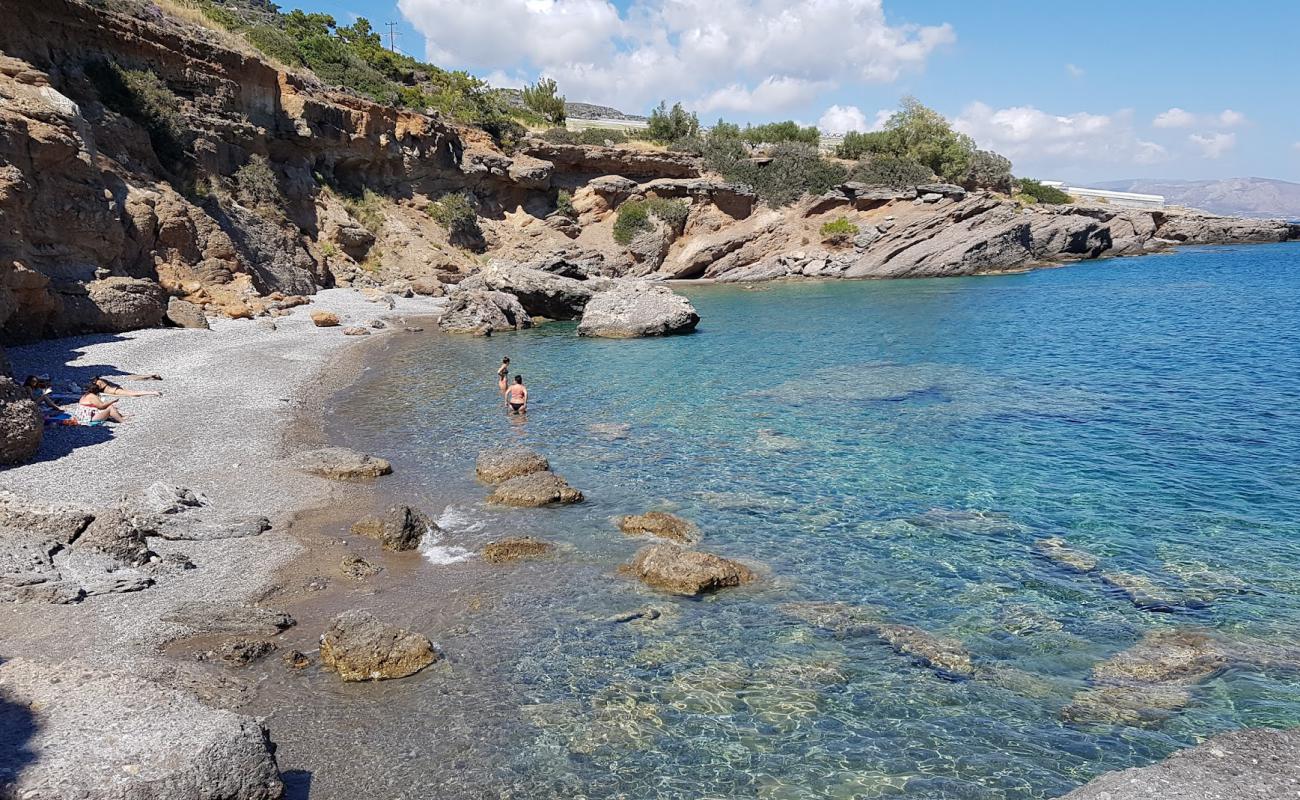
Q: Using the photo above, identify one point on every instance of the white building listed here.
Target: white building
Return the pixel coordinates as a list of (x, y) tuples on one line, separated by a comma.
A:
[(1107, 197)]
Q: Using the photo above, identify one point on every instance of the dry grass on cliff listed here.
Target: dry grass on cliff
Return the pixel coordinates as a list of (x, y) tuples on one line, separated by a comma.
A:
[(190, 14)]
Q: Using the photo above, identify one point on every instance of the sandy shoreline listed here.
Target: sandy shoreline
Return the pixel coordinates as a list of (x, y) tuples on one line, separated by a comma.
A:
[(236, 400)]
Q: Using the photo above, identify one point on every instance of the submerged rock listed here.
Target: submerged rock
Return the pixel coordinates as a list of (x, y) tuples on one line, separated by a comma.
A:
[(660, 525), (70, 730), (355, 566), (233, 618), (686, 572), (947, 657), (340, 463), (1055, 549), (359, 647), (242, 652), (522, 548), (534, 490), (1143, 592), (399, 528), (503, 463), (633, 309)]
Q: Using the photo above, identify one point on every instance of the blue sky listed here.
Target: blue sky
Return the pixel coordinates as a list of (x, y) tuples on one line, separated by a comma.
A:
[(1071, 91)]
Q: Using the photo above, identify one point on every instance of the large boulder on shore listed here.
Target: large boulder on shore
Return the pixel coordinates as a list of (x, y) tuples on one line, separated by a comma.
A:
[(21, 426), (534, 490), (399, 528), (123, 304), (503, 463), (686, 572), (477, 311), (542, 294), (184, 314), (631, 309), (69, 730), (359, 647), (340, 463)]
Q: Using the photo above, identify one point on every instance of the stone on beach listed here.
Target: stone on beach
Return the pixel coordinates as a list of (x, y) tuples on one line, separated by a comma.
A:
[(397, 529), (242, 652), (184, 314), (480, 311), (340, 463), (359, 647), (534, 490), (198, 528), (354, 566), (225, 617), (660, 525), (21, 425), (70, 730), (1055, 549), (325, 319), (356, 330), (632, 309), (520, 548), (503, 463), (686, 572)]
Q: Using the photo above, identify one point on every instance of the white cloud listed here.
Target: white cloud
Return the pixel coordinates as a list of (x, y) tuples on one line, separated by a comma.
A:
[(1174, 118), (1075, 71), (750, 55), (1296, 145), (842, 119), (1231, 119), (1214, 145), (1030, 134)]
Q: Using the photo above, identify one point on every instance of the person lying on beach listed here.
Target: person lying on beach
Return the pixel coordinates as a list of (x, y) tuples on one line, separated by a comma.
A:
[(517, 397), (110, 388), (92, 409), (503, 374)]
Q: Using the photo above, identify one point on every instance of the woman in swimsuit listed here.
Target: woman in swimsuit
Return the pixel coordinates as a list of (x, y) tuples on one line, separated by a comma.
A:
[(517, 397), (92, 408), (503, 374), (110, 388)]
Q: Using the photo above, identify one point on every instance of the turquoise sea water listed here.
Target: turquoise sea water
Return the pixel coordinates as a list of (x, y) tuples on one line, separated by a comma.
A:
[(897, 445)]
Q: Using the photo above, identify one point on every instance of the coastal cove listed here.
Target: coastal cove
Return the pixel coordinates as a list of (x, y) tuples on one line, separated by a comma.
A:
[(901, 448)]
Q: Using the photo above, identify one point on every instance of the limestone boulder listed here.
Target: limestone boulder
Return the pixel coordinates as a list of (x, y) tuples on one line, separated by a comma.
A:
[(399, 528), (359, 647), (73, 730), (503, 463), (677, 570), (325, 319), (661, 526), (534, 490), (124, 304), (21, 426), (184, 314), (340, 463), (478, 311), (632, 309), (542, 294)]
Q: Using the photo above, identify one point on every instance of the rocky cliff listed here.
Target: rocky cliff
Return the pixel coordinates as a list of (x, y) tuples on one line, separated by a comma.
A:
[(144, 158)]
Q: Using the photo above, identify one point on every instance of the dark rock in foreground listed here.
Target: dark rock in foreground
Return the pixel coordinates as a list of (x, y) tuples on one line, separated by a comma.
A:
[(534, 490), (69, 730), (522, 548), (660, 525), (21, 426), (631, 309), (340, 463), (359, 647), (399, 528), (686, 572), (503, 463), (1253, 764)]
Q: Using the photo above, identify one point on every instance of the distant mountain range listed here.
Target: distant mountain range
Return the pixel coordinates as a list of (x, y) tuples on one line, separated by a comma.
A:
[(1238, 197)]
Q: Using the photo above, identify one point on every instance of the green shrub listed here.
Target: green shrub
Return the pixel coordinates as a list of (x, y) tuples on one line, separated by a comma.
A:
[(667, 125), (601, 136), (778, 132), (988, 170), (1036, 192), (564, 205), (367, 209), (328, 250), (560, 136), (919, 134), (723, 148), (545, 99), (256, 185), (144, 98), (891, 171), (456, 213), (275, 43), (791, 170), (691, 144), (838, 231), (634, 217), (857, 144)]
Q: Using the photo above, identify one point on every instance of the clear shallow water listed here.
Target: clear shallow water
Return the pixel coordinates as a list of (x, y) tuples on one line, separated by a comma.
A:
[(899, 445)]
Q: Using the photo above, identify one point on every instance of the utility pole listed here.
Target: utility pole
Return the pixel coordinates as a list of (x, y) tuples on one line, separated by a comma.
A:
[(392, 35)]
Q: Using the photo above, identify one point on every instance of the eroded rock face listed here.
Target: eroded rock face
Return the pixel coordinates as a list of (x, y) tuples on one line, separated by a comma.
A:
[(686, 572), (399, 528), (661, 525), (503, 463), (633, 309), (595, 160), (534, 490), (340, 463), (521, 548), (165, 745), (359, 647), (21, 426), (542, 294), (476, 311)]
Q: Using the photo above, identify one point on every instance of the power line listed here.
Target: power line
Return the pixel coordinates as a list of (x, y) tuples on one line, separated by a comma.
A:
[(392, 35)]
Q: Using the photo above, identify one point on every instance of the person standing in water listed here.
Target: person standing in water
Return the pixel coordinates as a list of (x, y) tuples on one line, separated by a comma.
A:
[(517, 397), (503, 374)]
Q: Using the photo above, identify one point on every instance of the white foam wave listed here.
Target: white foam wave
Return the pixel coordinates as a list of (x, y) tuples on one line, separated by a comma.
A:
[(436, 552)]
